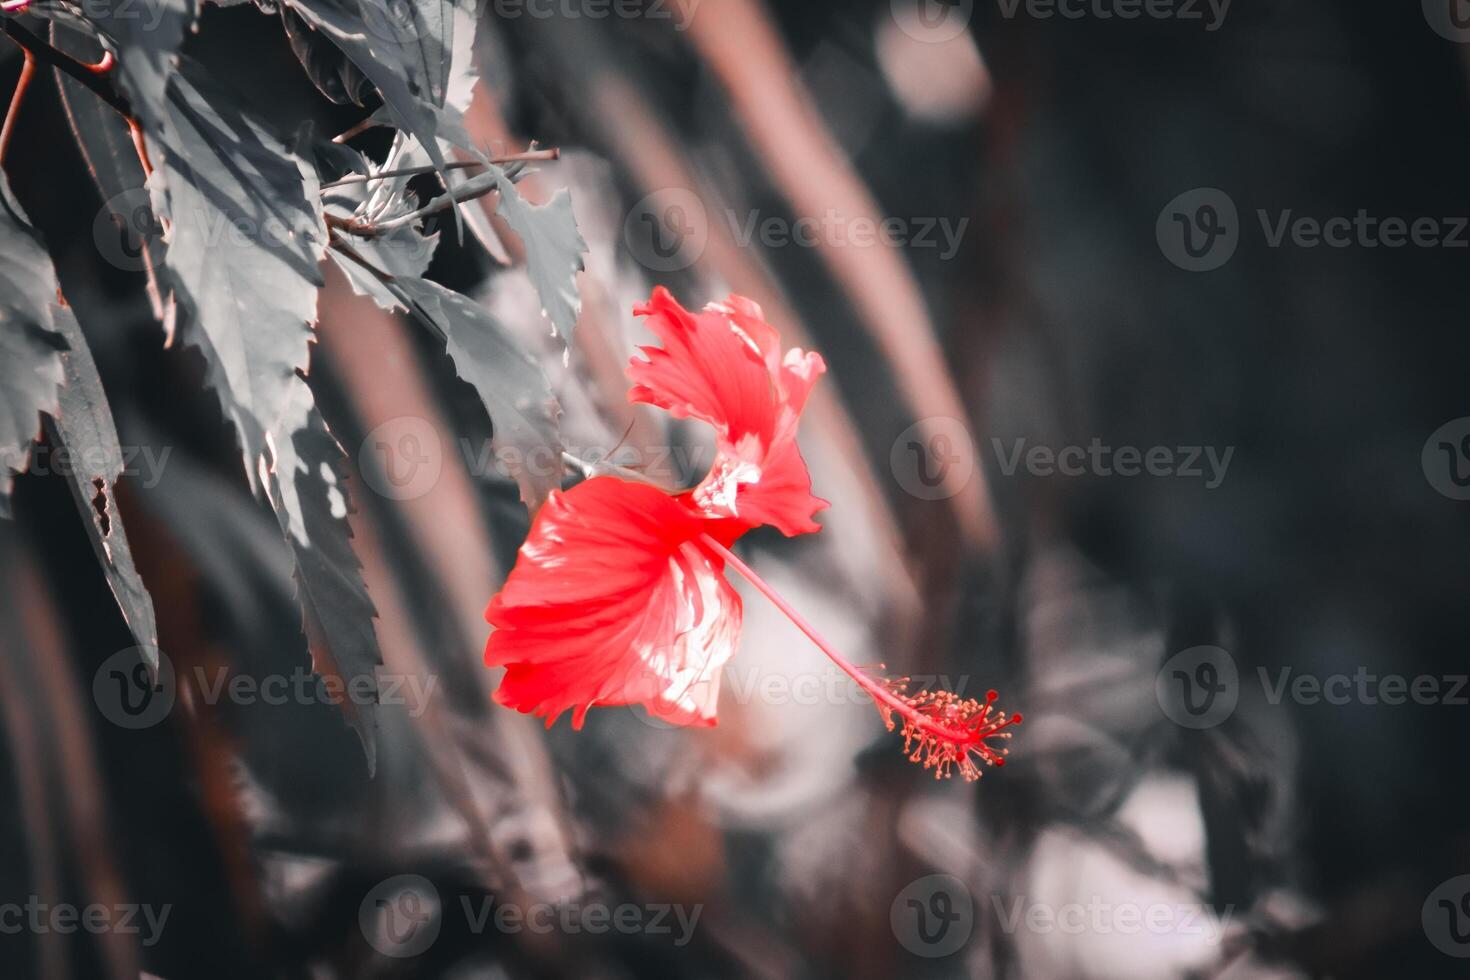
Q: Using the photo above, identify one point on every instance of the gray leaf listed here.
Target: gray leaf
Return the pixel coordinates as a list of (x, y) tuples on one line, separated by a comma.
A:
[(405, 48), (84, 426), (554, 250), (146, 38), (30, 345), (245, 234), (126, 232), (337, 612), (510, 383)]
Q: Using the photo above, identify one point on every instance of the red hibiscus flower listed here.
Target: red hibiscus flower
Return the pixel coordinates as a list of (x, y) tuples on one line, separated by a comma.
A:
[(619, 593)]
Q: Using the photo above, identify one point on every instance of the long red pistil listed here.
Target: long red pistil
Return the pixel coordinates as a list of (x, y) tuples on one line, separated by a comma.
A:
[(940, 729)]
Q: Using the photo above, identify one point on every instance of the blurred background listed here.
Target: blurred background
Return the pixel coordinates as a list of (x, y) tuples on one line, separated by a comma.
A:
[(1147, 407)]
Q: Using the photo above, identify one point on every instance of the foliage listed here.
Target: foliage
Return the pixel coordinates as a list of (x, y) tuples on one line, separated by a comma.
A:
[(240, 226)]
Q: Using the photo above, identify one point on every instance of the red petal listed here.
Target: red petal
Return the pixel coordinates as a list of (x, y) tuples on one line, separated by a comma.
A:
[(724, 366), (706, 369), (614, 601)]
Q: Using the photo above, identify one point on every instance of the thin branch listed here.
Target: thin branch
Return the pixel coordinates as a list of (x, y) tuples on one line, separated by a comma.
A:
[(22, 84), (336, 242), (551, 154), (399, 172), (92, 77), (140, 146), (475, 187), (369, 123), (108, 62)]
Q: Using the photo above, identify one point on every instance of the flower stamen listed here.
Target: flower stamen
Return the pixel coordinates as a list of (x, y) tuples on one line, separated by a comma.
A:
[(945, 732)]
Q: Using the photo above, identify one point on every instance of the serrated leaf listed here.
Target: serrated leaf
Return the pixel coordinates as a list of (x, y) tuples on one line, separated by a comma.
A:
[(245, 234), (42, 346), (30, 344), (462, 72), (402, 252), (334, 75), (364, 283), (512, 385), (405, 48), (337, 612), (131, 240), (554, 250), (146, 38), (84, 426)]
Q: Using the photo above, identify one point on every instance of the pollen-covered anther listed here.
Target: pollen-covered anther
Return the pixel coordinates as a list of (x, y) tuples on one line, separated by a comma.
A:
[(945, 732)]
